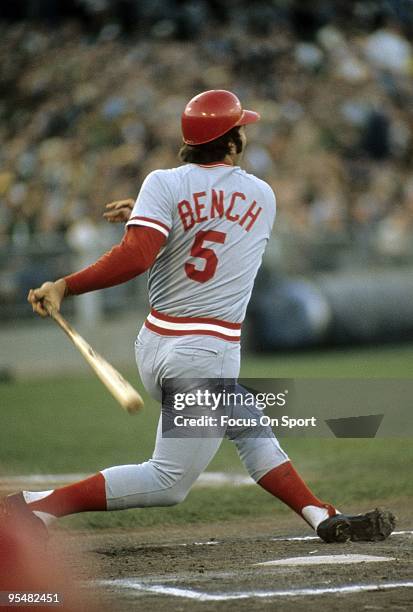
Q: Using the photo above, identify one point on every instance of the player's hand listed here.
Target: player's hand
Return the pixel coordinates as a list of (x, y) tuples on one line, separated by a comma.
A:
[(50, 294), (119, 211)]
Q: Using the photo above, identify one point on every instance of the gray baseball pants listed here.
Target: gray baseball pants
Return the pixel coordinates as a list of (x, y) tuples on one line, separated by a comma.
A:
[(176, 463)]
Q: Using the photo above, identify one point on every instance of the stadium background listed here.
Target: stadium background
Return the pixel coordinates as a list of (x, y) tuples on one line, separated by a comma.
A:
[(91, 97)]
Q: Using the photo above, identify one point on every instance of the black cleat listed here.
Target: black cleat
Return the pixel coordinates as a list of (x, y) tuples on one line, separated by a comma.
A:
[(370, 527)]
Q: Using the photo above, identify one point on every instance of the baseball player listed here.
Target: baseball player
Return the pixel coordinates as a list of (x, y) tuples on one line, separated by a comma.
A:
[(201, 230)]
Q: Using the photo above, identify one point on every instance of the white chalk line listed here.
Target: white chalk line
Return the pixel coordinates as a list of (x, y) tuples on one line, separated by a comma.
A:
[(327, 560), (159, 589), (41, 479), (207, 479), (305, 538), (275, 539), (281, 539)]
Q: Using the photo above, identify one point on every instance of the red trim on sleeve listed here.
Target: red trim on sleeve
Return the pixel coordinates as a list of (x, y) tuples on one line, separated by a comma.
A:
[(133, 256), (148, 222), (155, 221)]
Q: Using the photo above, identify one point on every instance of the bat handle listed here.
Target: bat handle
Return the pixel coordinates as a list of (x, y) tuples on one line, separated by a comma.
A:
[(51, 310), (55, 314), (47, 306)]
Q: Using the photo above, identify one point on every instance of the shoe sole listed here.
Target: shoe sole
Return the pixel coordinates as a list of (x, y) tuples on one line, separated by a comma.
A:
[(373, 526)]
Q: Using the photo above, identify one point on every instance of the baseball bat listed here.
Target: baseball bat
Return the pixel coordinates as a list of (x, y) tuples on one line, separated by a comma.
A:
[(113, 380)]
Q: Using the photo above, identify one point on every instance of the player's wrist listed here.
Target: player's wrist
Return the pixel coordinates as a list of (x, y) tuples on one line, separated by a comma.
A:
[(62, 287)]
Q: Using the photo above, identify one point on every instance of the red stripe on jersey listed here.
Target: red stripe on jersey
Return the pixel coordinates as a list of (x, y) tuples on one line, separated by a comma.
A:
[(210, 321), (201, 332), (168, 229)]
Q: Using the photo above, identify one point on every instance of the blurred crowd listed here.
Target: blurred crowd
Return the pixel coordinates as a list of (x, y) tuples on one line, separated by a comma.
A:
[(90, 105)]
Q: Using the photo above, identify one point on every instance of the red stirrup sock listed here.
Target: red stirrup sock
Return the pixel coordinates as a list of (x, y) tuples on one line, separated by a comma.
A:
[(286, 484), (83, 496)]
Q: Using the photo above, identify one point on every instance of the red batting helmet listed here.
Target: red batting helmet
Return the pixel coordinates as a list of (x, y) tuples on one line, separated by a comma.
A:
[(212, 113)]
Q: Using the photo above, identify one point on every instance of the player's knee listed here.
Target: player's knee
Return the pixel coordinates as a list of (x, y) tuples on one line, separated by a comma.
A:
[(174, 496), (170, 479), (168, 476)]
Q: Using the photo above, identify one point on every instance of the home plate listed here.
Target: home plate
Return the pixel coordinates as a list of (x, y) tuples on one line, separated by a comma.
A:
[(327, 559)]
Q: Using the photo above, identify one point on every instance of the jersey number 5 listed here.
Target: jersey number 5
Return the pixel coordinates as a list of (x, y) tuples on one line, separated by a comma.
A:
[(198, 250)]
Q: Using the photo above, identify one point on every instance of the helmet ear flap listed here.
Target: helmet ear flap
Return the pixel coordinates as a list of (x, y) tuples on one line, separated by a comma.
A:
[(211, 114)]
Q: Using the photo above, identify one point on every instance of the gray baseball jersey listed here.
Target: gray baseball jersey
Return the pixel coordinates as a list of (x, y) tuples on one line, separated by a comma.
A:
[(217, 219)]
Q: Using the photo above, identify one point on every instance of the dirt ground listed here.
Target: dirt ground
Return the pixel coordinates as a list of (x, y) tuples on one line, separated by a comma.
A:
[(205, 567)]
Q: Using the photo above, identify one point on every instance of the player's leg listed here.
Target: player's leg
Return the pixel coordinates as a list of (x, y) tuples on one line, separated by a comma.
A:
[(271, 468), (176, 463), (266, 462), (163, 480), (269, 465)]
